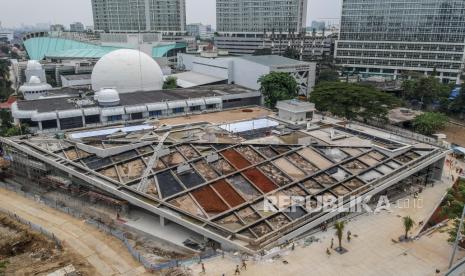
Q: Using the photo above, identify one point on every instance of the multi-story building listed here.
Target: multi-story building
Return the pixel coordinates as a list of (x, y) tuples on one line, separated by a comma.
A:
[(392, 37), (308, 46), (76, 27), (239, 16), (139, 15), (199, 30), (57, 28)]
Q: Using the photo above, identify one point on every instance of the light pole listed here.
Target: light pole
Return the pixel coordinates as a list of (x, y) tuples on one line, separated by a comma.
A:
[(457, 238)]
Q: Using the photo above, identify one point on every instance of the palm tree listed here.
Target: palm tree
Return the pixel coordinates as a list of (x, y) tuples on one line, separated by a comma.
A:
[(408, 224), (339, 226)]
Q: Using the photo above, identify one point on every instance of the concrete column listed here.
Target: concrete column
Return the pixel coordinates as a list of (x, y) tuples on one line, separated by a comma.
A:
[(438, 169), (396, 72), (83, 121), (163, 221), (58, 124), (40, 125)]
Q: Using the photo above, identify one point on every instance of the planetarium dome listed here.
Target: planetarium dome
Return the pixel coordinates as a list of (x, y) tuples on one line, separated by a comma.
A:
[(127, 71), (107, 97), (33, 65)]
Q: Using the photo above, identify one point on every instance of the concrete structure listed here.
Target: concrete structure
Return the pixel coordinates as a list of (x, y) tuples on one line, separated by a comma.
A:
[(218, 183), (57, 28), (295, 110), (308, 46), (76, 27), (378, 37), (70, 109), (6, 35), (139, 15), (34, 89), (199, 30), (34, 68), (76, 80), (257, 16), (246, 70), (127, 71)]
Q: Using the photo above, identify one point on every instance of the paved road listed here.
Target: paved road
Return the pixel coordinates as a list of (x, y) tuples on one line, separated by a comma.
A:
[(107, 254)]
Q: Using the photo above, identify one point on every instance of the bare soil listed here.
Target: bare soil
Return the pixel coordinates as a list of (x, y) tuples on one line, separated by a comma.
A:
[(455, 133), (25, 252)]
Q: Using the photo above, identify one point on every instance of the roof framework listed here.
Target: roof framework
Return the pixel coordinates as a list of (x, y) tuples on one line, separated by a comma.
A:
[(223, 187)]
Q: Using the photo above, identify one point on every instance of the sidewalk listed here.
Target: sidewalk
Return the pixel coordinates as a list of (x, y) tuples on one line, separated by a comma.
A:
[(371, 253)]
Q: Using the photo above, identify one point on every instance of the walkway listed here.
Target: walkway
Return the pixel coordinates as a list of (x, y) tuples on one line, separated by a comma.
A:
[(371, 251), (107, 254)]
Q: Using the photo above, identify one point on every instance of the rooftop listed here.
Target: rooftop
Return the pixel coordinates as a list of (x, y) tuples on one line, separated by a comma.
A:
[(77, 77), (66, 103), (273, 60)]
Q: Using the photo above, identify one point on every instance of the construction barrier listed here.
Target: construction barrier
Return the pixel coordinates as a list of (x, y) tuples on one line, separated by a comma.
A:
[(103, 227)]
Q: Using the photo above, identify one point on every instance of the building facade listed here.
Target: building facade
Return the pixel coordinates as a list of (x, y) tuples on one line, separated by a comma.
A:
[(139, 15), (241, 16), (198, 30), (77, 27), (390, 38)]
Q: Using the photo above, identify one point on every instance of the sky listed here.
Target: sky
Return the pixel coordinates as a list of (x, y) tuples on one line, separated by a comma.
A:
[(29, 12)]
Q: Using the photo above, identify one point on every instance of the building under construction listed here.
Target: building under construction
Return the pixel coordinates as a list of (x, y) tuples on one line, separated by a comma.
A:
[(215, 180)]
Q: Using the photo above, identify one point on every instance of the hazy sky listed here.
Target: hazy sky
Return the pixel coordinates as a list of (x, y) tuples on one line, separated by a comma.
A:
[(30, 12)]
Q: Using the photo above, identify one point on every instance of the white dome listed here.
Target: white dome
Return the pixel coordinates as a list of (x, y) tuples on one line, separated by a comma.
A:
[(34, 80), (127, 71), (107, 97), (33, 65)]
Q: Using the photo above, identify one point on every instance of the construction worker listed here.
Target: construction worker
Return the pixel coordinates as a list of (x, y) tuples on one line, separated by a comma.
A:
[(328, 252), (332, 243), (203, 268), (244, 265), (349, 236), (293, 247), (238, 271)]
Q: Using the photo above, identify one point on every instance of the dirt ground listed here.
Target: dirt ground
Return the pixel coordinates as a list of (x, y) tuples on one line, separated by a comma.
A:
[(455, 134), (24, 252)]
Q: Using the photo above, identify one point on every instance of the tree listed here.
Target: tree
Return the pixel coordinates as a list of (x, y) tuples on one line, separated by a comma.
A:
[(430, 122), (277, 86), (170, 83), (339, 226), (458, 104), (408, 224), (328, 75), (426, 90), (352, 100), (453, 231), (291, 53)]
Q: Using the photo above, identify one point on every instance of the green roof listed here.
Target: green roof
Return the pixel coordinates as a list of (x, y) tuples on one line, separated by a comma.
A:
[(39, 48)]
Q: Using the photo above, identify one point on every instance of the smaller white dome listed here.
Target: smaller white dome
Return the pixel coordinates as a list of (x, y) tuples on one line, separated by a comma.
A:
[(33, 65), (34, 80), (107, 97)]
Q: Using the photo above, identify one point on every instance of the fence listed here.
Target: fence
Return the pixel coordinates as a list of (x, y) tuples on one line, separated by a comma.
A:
[(103, 227), (33, 226)]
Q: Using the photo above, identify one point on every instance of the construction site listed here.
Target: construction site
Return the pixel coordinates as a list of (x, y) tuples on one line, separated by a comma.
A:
[(204, 181)]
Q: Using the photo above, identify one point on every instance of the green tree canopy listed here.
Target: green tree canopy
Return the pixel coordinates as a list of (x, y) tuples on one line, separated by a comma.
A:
[(352, 100), (170, 83), (291, 53), (427, 90), (328, 75), (408, 223), (430, 122), (277, 86)]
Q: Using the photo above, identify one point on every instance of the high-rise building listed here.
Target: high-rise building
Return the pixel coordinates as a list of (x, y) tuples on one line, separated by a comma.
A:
[(76, 27), (392, 37), (199, 30), (139, 15), (257, 16)]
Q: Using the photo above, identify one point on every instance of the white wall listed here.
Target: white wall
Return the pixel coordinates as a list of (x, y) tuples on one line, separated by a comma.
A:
[(247, 73)]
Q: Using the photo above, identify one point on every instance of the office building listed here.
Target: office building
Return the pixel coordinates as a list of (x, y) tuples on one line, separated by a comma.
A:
[(255, 16), (200, 31), (139, 15), (76, 27), (390, 38)]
